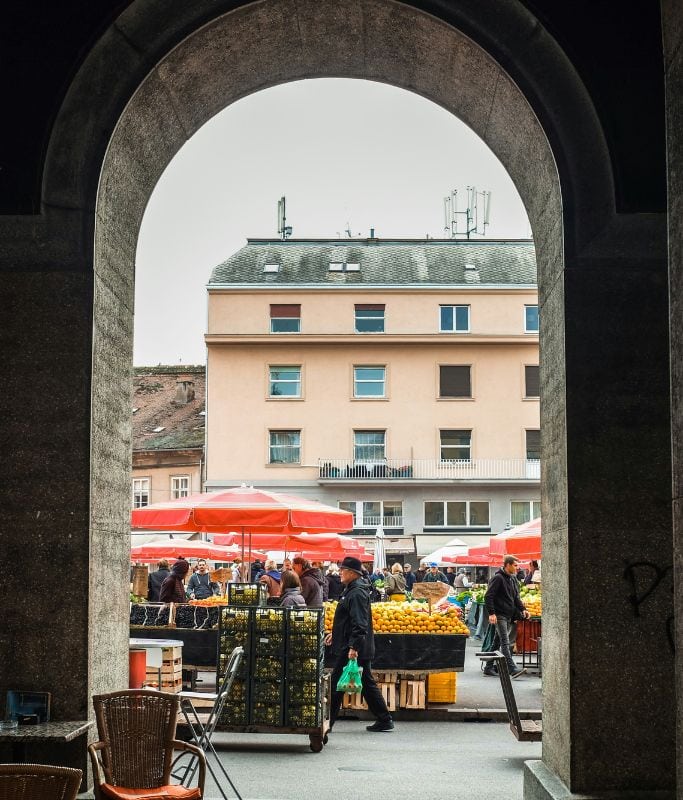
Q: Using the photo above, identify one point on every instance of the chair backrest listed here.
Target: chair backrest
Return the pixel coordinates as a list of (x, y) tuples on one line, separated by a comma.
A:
[(137, 727), (234, 661), (508, 693), (38, 782)]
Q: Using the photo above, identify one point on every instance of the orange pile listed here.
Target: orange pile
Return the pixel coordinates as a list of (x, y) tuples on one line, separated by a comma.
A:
[(408, 618), (214, 600), (533, 604)]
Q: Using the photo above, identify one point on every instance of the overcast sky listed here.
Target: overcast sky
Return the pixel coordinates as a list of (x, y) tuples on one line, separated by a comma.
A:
[(341, 151)]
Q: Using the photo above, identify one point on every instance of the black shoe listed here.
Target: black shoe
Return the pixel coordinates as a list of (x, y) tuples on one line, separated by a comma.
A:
[(381, 727), (491, 673)]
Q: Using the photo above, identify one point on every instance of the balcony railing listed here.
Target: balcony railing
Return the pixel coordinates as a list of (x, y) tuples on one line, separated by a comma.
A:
[(481, 469), (374, 522)]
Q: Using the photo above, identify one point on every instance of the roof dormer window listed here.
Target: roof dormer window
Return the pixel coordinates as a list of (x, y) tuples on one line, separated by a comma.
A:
[(271, 267), (344, 266)]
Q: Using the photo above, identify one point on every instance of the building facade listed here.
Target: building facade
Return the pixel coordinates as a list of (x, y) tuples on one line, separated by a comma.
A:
[(396, 379), (168, 433)]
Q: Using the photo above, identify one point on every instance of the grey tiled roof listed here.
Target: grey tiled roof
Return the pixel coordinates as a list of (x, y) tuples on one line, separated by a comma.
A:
[(383, 262)]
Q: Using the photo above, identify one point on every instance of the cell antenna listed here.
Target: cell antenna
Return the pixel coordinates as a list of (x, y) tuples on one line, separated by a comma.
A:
[(473, 219), (284, 231)]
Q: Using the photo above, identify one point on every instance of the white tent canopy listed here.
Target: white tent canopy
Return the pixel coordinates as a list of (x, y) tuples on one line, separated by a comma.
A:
[(455, 547)]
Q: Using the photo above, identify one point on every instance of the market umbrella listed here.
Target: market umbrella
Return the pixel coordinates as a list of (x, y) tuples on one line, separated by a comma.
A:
[(176, 548), (291, 542), (523, 541), (254, 510), (379, 561), (475, 556)]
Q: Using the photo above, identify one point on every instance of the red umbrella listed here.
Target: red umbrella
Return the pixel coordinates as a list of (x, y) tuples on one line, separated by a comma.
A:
[(475, 556), (523, 541), (254, 510), (291, 542), (175, 548)]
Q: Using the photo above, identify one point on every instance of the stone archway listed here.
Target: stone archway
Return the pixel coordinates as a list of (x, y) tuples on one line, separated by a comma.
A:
[(161, 95)]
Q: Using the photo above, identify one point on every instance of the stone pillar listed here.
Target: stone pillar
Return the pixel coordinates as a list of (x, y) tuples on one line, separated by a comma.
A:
[(608, 664), (65, 594), (672, 23)]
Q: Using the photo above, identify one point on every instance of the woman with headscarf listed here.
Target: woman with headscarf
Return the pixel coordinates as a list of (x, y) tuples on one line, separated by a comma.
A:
[(173, 588)]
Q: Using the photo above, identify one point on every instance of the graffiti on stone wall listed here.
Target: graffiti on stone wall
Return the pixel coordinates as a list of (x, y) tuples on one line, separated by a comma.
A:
[(645, 579)]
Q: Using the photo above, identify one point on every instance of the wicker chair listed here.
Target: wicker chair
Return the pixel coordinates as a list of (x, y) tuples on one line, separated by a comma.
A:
[(137, 739), (38, 782)]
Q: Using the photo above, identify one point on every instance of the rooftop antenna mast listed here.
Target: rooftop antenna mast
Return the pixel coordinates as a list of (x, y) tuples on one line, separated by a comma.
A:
[(284, 231), (475, 217)]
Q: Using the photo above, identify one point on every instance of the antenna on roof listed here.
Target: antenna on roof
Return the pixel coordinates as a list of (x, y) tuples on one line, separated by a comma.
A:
[(347, 230), (284, 231), (475, 217)]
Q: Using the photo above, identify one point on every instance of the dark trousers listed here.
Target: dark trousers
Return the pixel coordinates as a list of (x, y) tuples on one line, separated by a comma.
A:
[(373, 696)]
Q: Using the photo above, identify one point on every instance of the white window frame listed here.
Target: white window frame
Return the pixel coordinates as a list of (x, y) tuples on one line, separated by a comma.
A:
[(373, 460), (359, 315), (358, 512), (454, 329), (344, 266), (443, 460), (270, 267), (280, 319), (526, 327), (179, 490), (382, 381), (296, 447), (140, 487), (271, 381), (530, 509), (468, 522)]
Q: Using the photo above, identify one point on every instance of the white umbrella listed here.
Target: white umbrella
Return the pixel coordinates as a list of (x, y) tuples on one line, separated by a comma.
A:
[(380, 559)]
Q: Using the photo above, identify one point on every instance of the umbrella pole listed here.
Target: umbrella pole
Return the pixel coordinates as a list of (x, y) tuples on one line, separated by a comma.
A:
[(242, 544)]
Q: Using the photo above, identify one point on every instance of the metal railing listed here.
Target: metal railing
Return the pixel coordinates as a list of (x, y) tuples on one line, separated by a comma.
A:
[(374, 522), (476, 469)]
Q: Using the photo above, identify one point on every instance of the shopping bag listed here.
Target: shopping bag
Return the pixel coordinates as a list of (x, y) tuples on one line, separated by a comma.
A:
[(350, 680)]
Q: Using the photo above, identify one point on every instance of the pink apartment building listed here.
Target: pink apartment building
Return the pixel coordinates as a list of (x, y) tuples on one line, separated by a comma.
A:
[(395, 378)]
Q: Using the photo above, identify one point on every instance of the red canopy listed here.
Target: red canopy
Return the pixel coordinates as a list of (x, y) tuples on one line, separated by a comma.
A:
[(255, 510), (475, 556), (523, 541), (291, 542), (175, 548)]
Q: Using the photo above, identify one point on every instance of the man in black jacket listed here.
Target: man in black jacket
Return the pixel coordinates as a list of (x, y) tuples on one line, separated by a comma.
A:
[(352, 637), (155, 580), (505, 607)]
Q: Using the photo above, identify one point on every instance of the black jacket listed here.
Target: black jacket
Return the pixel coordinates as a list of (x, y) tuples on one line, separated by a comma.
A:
[(154, 582), (334, 586), (352, 625), (502, 597), (312, 588)]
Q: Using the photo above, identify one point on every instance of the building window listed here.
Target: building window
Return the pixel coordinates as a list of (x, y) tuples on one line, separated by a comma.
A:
[(373, 513), (522, 511), (454, 319), (533, 445), (369, 381), (369, 445), (271, 267), (140, 492), (369, 318), (456, 513), (455, 381), (285, 318), (285, 447), (284, 382), (530, 319), (456, 445), (344, 266), (532, 381), (180, 486)]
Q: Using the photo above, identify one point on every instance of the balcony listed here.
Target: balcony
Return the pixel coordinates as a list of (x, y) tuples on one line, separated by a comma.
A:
[(335, 470), (375, 522)]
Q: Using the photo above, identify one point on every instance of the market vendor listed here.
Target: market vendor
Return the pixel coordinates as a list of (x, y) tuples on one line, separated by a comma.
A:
[(435, 575), (352, 637), (200, 586)]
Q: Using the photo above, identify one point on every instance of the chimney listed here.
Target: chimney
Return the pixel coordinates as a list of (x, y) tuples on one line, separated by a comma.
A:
[(184, 391)]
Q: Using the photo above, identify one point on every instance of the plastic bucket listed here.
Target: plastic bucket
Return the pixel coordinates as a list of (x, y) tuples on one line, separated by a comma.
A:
[(137, 668)]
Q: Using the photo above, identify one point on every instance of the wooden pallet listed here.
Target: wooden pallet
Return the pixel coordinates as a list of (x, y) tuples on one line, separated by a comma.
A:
[(413, 691)]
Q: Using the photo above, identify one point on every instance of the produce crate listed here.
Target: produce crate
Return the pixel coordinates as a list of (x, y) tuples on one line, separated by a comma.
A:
[(303, 669), (387, 683), (169, 682), (236, 709), (270, 620), (234, 631), (266, 714), (189, 616), (269, 692), (247, 594), (306, 621), (354, 700), (267, 668), (149, 614), (412, 691), (304, 706), (269, 645), (442, 687)]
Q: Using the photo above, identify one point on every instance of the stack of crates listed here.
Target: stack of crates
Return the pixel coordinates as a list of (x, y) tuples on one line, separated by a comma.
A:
[(247, 594), (304, 663), (268, 666), (235, 631), (171, 671), (279, 682)]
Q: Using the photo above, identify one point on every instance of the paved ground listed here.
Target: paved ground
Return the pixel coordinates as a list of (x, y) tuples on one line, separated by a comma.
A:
[(418, 759)]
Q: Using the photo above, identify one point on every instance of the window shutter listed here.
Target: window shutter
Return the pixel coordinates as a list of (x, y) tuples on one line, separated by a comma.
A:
[(455, 381), (533, 444), (291, 310), (369, 306), (532, 381)]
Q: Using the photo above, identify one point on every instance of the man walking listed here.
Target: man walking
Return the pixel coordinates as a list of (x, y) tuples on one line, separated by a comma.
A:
[(352, 637), (505, 607)]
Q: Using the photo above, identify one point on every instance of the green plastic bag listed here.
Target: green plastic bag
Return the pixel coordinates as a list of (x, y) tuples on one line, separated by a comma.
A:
[(350, 680)]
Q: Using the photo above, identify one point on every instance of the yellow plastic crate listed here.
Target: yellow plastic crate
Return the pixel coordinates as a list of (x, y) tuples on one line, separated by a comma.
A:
[(442, 688)]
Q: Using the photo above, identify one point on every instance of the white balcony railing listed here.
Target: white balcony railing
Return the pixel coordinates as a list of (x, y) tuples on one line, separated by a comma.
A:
[(478, 469), (374, 522)]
